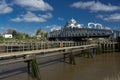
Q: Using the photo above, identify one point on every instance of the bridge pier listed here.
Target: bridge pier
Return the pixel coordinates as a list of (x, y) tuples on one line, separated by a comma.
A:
[(72, 58), (88, 52), (106, 47), (70, 55), (33, 69), (64, 57), (28, 66)]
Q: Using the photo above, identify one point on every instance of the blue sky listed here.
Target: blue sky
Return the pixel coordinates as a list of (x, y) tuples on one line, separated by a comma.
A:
[(29, 15)]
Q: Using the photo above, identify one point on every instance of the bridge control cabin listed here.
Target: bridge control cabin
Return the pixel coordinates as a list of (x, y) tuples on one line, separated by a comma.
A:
[(72, 31)]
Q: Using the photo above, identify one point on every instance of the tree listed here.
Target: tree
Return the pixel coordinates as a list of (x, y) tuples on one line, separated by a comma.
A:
[(17, 35), (11, 31), (41, 34), (1, 38)]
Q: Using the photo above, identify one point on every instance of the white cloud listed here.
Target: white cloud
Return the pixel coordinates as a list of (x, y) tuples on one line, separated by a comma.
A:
[(61, 19), (47, 16), (18, 19), (31, 17), (34, 5), (2, 28), (5, 8), (95, 6), (100, 16), (113, 17), (52, 27), (47, 27), (55, 27)]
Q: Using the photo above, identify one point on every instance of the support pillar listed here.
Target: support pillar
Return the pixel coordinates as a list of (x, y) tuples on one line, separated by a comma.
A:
[(64, 57), (108, 48), (113, 47), (104, 48), (32, 68), (28, 66), (72, 59)]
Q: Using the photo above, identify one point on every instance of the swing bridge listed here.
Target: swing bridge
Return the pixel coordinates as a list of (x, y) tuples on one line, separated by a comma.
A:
[(76, 32)]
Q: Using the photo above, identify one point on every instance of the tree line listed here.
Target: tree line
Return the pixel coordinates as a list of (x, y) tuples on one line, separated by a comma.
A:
[(40, 35)]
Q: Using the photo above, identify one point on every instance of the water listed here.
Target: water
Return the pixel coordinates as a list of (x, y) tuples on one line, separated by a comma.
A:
[(101, 67)]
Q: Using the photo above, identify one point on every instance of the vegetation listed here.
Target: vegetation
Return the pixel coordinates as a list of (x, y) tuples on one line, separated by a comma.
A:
[(35, 70), (40, 35), (1, 38), (72, 59)]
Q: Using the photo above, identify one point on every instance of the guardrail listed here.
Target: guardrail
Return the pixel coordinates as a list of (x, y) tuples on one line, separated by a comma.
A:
[(28, 46)]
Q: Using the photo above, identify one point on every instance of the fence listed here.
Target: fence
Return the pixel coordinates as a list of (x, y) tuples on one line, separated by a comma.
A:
[(35, 45)]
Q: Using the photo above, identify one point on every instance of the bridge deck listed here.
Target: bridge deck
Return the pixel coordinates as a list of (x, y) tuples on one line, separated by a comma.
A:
[(25, 53), (10, 54)]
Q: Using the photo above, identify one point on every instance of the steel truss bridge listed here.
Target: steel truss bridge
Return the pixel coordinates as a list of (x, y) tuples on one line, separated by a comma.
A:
[(75, 34), (73, 31)]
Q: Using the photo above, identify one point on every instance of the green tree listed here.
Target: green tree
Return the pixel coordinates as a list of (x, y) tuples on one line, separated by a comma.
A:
[(11, 31), (17, 35), (41, 34), (1, 38)]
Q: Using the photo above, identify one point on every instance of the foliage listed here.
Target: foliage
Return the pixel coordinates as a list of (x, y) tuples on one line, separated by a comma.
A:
[(11, 31), (17, 35), (35, 70), (1, 38), (41, 35)]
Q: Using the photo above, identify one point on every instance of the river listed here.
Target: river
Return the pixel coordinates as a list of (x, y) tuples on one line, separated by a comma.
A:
[(100, 67)]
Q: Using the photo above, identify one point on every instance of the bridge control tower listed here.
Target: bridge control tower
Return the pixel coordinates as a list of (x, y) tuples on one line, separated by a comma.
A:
[(73, 24), (73, 31)]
